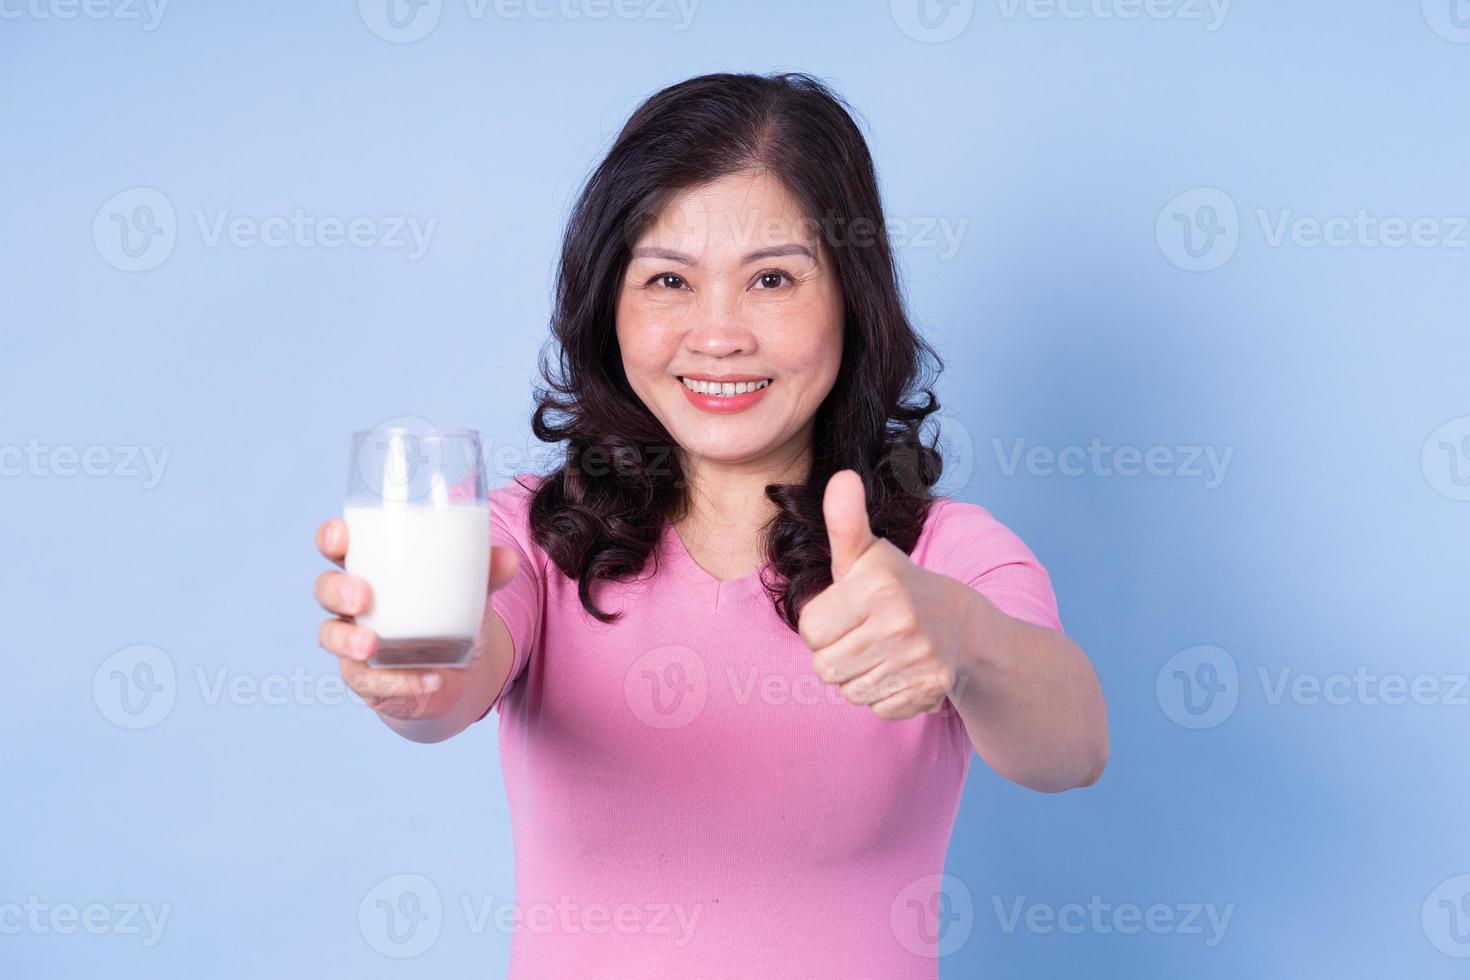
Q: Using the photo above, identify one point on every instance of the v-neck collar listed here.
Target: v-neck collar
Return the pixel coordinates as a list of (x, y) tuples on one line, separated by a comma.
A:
[(681, 563)]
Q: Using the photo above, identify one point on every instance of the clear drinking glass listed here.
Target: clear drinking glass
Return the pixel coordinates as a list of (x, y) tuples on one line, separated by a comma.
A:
[(418, 530)]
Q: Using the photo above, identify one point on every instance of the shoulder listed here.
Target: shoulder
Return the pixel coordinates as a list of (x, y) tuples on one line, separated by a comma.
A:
[(510, 508), (954, 526), (967, 542), (517, 491)]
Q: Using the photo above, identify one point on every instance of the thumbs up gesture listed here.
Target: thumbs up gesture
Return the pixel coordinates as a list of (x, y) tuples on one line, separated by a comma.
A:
[(886, 631)]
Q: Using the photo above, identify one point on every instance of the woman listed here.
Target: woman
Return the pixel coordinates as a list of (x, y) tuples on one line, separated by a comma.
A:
[(741, 654)]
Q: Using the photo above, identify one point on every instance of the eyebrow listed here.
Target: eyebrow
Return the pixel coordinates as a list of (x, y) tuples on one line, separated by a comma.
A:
[(775, 251)]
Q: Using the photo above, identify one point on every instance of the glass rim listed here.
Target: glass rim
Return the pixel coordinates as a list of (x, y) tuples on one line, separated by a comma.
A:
[(434, 432)]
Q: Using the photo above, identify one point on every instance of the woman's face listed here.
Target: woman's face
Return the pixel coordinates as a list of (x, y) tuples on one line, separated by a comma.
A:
[(731, 287)]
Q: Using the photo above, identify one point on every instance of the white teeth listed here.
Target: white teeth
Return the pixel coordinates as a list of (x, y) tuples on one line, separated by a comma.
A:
[(724, 388)]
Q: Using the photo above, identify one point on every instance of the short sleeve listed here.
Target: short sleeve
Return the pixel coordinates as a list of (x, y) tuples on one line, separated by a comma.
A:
[(965, 542), (520, 602)]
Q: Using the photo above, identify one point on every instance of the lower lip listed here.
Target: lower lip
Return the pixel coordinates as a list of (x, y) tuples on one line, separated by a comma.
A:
[(722, 404)]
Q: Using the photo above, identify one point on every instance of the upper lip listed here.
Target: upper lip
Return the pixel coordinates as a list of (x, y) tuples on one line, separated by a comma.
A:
[(724, 378)]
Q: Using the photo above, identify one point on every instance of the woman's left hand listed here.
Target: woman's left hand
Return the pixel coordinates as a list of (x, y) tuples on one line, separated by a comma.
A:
[(889, 633)]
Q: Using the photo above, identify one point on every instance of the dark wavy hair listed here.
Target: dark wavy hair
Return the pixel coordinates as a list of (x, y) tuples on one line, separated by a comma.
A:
[(601, 513)]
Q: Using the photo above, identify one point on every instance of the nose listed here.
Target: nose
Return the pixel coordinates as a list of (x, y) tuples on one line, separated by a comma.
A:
[(718, 332)]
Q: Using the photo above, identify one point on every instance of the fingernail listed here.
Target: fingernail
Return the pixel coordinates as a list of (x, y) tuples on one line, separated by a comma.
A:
[(431, 683), (361, 645), (351, 595)]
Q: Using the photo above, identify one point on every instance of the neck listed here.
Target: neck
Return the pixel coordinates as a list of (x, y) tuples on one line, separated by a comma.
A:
[(730, 499)]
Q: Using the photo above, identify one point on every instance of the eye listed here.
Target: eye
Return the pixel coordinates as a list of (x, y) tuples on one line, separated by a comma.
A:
[(667, 280), (772, 279)]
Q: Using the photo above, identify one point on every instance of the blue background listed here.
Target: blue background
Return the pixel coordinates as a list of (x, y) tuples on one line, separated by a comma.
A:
[(1334, 544)]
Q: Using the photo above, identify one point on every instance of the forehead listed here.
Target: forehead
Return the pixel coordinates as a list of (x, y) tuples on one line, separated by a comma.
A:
[(735, 214)]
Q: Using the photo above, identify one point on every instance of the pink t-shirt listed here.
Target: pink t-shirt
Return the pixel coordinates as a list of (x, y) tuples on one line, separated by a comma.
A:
[(688, 800)]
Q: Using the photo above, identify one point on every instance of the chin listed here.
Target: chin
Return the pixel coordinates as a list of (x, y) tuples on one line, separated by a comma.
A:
[(720, 450)]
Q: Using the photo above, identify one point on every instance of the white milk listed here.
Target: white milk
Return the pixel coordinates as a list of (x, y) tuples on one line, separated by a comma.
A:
[(429, 568)]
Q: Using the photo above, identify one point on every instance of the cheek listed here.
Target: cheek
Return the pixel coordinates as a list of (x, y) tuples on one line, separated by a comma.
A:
[(817, 354), (638, 341)]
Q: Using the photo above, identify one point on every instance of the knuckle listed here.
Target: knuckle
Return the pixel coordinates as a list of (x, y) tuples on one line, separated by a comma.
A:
[(326, 587), (885, 710)]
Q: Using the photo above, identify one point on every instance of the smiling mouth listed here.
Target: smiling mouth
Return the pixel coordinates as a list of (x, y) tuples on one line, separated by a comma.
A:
[(723, 389)]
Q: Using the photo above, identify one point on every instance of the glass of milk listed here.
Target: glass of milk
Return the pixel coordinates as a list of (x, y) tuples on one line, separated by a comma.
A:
[(418, 530)]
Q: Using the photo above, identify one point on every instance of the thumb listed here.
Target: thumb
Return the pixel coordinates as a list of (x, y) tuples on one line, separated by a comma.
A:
[(845, 509)]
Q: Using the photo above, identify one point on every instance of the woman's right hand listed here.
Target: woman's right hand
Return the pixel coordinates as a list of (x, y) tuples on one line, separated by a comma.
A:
[(408, 693)]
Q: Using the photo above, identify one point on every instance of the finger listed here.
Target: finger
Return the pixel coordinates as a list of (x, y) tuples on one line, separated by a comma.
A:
[(906, 692), (845, 510), (345, 595), (331, 539), (833, 613), (345, 639), (905, 704), (851, 656), (504, 563), (378, 686)]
